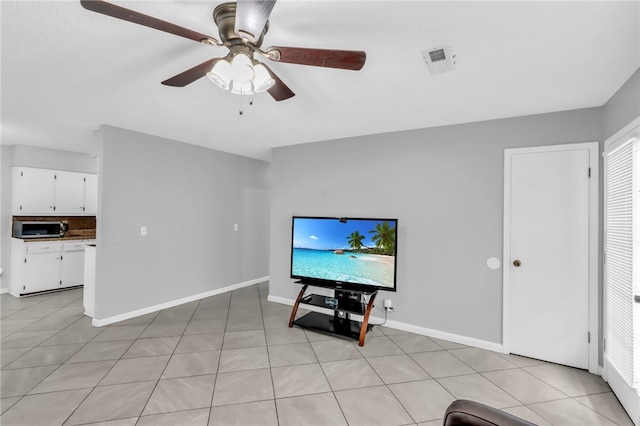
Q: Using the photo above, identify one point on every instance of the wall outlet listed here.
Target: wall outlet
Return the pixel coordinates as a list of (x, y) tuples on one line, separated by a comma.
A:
[(143, 231), (387, 303), (235, 226)]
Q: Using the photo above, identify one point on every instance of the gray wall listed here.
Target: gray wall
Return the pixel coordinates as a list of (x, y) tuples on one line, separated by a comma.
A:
[(623, 107), (189, 198), (445, 185), (30, 156)]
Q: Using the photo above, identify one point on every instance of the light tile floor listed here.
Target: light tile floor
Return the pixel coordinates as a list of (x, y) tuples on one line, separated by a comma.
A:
[(232, 360)]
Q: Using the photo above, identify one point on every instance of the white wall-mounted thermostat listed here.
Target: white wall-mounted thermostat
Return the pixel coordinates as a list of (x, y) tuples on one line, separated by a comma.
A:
[(440, 59)]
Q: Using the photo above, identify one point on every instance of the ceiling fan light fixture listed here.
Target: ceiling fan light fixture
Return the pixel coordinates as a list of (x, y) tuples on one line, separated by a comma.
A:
[(242, 75), (221, 74), (242, 25), (240, 88), (242, 69), (262, 80)]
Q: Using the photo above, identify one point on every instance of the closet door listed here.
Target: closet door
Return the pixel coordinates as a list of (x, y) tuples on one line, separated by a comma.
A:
[(547, 251)]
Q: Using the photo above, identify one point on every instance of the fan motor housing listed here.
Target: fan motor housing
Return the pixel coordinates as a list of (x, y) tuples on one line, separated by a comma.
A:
[(224, 16)]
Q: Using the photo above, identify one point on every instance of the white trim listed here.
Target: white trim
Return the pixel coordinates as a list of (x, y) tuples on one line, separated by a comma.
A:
[(619, 135), (4, 290), (155, 308), (627, 395), (282, 300), (594, 263), (397, 325), (443, 335)]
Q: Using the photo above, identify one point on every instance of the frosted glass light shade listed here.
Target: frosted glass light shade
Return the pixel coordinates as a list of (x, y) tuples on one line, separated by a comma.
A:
[(240, 88), (242, 69), (221, 74), (262, 80), (242, 76)]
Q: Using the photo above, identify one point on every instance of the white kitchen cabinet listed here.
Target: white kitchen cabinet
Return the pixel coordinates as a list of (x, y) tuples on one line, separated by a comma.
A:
[(33, 191), (69, 192), (34, 266), (42, 266), (72, 264), (91, 195), (53, 192)]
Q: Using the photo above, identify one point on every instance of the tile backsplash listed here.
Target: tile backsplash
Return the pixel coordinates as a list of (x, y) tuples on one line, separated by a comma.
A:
[(79, 226)]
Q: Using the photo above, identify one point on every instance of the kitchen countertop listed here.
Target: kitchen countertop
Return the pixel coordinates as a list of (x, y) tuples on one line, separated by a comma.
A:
[(65, 238)]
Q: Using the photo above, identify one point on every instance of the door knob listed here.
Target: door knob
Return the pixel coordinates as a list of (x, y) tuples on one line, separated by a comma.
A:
[(517, 263)]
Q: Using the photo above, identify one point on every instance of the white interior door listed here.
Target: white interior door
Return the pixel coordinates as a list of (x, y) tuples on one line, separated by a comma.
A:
[(547, 252)]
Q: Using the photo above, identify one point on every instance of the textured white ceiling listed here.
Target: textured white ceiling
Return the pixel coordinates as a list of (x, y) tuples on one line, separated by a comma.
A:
[(66, 70)]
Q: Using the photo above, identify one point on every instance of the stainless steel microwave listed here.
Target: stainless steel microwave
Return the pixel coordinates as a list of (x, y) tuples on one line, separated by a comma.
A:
[(38, 229)]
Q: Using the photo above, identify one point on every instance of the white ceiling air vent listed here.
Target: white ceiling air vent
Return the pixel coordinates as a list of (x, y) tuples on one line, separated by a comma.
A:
[(440, 59)]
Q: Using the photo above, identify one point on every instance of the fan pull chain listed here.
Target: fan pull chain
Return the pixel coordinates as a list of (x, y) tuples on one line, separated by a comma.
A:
[(241, 111)]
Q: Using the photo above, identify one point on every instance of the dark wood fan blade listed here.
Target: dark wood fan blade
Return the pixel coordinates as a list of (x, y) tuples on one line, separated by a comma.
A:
[(279, 91), (192, 74), (343, 59), (119, 12), (251, 17)]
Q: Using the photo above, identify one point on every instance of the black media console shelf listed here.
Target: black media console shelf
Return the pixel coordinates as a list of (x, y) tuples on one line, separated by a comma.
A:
[(344, 304)]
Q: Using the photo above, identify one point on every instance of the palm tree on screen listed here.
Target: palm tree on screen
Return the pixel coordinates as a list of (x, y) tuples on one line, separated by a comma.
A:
[(355, 240), (384, 238)]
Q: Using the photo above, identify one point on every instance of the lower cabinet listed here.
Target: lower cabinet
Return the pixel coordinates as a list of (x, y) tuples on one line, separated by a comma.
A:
[(43, 266), (72, 264)]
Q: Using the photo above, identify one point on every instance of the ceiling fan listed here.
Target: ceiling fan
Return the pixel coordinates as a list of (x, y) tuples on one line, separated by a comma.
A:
[(241, 26)]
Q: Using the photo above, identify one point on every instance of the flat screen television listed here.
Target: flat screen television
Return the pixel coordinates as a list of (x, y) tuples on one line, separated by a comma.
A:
[(353, 254)]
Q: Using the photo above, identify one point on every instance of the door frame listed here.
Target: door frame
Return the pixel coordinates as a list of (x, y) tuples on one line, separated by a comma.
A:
[(620, 388), (594, 241)]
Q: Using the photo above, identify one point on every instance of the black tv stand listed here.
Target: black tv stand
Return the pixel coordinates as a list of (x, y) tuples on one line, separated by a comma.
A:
[(348, 302)]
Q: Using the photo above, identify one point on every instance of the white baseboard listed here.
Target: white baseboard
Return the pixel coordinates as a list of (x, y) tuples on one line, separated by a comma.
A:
[(155, 308), (283, 300), (442, 335), (4, 290)]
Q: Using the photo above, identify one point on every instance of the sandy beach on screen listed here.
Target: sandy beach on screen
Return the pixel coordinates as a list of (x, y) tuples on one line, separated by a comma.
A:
[(389, 260)]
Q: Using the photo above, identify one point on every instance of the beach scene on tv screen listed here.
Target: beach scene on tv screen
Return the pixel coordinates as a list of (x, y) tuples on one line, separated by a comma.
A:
[(355, 251)]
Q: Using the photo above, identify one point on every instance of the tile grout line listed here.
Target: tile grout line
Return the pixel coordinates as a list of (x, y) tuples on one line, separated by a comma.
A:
[(107, 373)]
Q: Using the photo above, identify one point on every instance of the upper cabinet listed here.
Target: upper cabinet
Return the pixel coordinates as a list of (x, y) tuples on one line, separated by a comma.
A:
[(91, 195), (53, 192), (33, 191), (69, 193)]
